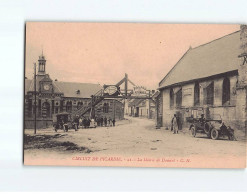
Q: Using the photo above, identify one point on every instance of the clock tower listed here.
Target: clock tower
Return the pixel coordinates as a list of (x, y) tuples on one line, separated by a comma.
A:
[(42, 63)]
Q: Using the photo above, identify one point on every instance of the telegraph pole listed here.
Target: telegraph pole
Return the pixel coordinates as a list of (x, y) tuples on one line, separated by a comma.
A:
[(35, 98), (149, 111)]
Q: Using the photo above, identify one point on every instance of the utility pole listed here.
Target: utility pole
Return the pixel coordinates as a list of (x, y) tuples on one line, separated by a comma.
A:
[(149, 95), (126, 85), (35, 98), (114, 109)]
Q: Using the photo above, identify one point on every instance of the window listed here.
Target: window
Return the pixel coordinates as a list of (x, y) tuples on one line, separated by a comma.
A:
[(69, 106), (210, 94), (61, 105), (106, 108), (179, 98), (226, 91), (41, 66), (46, 110), (52, 106), (79, 105), (39, 108), (196, 94), (171, 98)]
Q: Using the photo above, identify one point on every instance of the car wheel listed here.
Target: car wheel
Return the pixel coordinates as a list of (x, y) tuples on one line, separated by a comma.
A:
[(214, 134), (207, 129), (193, 131)]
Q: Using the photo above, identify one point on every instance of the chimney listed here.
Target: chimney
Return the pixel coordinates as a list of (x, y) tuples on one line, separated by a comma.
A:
[(242, 81)]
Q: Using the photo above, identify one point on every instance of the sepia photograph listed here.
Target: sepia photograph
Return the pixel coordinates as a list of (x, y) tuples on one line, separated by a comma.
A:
[(135, 94)]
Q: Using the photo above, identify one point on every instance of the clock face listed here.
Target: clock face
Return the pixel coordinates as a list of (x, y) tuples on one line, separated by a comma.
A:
[(46, 87)]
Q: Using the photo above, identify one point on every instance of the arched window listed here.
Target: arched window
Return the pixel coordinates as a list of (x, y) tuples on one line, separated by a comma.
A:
[(46, 110), (196, 94), (210, 94), (106, 108), (179, 98), (69, 106), (171, 98), (61, 105), (226, 91), (79, 105)]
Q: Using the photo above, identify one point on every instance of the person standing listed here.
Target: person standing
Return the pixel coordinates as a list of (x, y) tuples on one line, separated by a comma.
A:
[(113, 122), (175, 124), (110, 122), (80, 122), (88, 122), (84, 122), (76, 121), (98, 122), (105, 121)]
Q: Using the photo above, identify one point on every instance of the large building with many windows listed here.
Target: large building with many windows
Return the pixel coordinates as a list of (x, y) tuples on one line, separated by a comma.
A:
[(55, 97), (209, 79)]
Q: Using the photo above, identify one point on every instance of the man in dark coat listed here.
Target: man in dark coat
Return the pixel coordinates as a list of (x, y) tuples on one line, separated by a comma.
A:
[(76, 121), (84, 123), (88, 123), (113, 122), (105, 121)]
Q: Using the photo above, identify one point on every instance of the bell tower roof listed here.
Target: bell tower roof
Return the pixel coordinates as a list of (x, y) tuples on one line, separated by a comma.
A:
[(42, 64)]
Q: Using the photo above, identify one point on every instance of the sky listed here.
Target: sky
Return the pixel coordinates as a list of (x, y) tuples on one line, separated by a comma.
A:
[(103, 52)]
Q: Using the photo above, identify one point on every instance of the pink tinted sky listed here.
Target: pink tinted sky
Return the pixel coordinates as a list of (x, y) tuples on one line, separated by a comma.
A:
[(103, 52)]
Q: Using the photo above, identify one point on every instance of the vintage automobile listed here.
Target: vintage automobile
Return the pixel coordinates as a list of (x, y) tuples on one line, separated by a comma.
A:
[(64, 122), (213, 127)]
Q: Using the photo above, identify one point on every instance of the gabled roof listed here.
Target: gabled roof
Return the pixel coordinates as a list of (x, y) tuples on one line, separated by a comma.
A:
[(213, 58), (85, 89), (29, 84), (69, 89)]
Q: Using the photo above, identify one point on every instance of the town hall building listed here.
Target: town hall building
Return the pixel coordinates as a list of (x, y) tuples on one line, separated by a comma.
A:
[(54, 97)]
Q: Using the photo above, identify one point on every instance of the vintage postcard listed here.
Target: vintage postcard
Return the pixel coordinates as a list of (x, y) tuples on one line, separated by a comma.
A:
[(135, 94)]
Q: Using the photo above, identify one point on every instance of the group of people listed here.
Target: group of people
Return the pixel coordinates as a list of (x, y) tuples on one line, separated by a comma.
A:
[(84, 122), (100, 121), (175, 123), (105, 122)]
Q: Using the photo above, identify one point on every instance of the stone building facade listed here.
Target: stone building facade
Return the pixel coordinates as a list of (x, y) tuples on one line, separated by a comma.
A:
[(143, 108), (209, 79), (54, 97)]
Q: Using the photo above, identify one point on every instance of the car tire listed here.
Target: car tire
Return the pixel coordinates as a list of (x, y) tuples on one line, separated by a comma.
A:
[(214, 134), (207, 129)]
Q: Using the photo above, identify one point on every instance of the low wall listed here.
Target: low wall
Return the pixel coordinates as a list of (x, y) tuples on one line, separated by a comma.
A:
[(40, 123)]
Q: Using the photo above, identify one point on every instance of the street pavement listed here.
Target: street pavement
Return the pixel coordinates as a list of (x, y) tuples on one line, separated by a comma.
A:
[(139, 137)]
